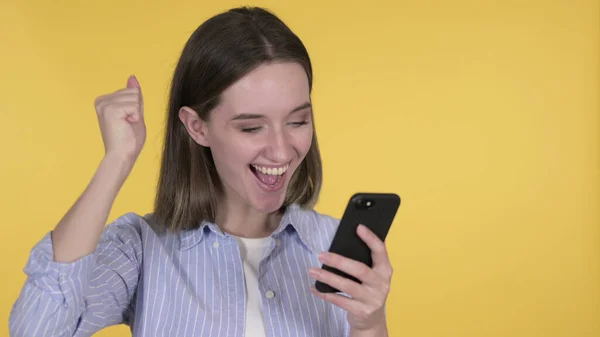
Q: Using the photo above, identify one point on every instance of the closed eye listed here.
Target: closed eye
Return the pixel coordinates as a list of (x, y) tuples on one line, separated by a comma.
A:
[(251, 130), (257, 128), (298, 124)]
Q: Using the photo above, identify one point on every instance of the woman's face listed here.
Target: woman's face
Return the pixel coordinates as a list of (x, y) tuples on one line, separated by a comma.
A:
[(260, 133)]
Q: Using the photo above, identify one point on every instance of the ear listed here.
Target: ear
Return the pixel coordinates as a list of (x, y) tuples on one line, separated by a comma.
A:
[(195, 126)]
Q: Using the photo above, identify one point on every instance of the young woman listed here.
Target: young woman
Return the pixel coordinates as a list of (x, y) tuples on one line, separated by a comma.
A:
[(233, 246)]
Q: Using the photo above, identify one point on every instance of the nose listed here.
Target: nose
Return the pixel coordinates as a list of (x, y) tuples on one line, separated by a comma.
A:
[(279, 147)]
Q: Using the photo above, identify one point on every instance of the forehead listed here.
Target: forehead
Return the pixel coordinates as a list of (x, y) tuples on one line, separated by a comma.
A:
[(272, 88)]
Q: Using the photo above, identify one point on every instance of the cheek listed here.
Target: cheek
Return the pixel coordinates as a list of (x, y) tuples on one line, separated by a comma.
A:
[(303, 141), (231, 151)]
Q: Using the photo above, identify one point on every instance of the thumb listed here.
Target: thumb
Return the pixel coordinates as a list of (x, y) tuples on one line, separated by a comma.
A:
[(132, 82)]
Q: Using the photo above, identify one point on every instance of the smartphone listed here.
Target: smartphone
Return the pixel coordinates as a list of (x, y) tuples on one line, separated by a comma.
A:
[(374, 210)]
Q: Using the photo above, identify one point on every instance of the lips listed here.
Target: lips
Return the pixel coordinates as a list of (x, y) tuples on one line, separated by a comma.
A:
[(270, 179), (270, 170)]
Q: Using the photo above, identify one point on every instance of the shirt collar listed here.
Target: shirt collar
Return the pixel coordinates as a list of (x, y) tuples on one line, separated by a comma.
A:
[(292, 219), (295, 219)]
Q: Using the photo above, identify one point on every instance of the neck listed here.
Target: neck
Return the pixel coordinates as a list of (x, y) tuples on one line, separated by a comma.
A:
[(242, 220)]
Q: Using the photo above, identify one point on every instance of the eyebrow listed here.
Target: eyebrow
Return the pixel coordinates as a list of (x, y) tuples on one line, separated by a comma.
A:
[(243, 116)]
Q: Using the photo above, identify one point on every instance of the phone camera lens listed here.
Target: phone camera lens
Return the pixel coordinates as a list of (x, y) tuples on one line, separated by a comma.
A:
[(364, 204)]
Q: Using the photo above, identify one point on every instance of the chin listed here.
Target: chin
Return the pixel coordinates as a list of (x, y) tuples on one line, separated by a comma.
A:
[(268, 204)]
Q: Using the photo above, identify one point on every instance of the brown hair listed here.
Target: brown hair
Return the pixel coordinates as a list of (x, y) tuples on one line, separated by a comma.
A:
[(219, 52)]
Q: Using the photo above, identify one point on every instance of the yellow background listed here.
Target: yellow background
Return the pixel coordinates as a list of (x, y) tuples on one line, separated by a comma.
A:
[(482, 115)]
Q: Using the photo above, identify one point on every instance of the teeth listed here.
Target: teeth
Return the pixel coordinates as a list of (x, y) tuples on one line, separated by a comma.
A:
[(271, 170)]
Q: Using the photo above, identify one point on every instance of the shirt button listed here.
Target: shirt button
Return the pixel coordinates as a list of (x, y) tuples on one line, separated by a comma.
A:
[(216, 244), (277, 242), (270, 294)]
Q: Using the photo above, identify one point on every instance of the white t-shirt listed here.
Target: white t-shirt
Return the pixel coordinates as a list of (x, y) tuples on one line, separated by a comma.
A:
[(252, 250)]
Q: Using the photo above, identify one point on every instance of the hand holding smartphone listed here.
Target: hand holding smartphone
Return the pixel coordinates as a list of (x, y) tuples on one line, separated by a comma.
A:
[(376, 211)]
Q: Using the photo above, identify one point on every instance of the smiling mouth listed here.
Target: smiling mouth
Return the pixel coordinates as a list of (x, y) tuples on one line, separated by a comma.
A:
[(270, 177)]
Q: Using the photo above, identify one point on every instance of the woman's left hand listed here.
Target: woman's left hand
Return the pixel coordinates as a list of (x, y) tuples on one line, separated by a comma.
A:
[(366, 305)]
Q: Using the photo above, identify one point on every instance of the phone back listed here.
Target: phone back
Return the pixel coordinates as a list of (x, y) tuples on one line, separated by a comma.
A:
[(374, 210)]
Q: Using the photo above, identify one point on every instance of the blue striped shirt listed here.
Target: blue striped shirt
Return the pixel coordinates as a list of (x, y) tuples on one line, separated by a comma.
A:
[(185, 284)]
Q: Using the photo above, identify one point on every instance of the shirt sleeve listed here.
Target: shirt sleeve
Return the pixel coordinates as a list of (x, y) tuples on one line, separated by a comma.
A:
[(80, 297)]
